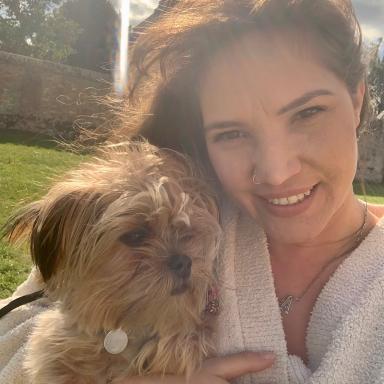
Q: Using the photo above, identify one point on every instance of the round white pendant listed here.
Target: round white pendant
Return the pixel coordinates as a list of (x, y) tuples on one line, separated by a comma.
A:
[(115, 341)]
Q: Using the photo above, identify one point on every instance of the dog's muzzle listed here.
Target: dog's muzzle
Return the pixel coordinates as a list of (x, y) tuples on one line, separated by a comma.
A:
[(180, 265)]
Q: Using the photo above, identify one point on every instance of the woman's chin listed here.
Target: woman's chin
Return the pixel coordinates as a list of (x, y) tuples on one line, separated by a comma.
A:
[(295, 235), (294, 222)]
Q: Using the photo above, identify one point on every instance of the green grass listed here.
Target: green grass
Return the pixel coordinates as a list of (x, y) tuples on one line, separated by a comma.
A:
[(27, 162), (374, 192)]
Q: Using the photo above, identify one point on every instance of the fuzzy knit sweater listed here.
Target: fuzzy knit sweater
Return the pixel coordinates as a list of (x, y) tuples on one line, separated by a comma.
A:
[(345, 336)]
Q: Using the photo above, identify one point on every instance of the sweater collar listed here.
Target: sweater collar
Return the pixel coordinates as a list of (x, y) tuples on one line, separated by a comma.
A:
[(250, 307)]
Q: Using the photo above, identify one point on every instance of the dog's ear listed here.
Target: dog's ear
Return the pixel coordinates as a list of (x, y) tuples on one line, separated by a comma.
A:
[(49, 233), (18, 226), (54, 227)]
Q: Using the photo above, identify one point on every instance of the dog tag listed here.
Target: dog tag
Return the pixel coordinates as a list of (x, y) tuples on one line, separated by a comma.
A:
[(115, 341)]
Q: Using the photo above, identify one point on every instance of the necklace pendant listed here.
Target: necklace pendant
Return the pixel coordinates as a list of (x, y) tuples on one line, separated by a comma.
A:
[(285, 304)]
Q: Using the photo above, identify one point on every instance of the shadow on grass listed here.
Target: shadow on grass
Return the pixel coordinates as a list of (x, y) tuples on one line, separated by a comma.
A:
[(370, 189), (28, 139)]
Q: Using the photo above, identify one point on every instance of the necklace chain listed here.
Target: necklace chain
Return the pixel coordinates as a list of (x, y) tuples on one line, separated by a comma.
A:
[(287, 301)]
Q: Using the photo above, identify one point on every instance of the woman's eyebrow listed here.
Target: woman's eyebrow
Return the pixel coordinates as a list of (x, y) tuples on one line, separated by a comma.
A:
[(223, 125), (292, 105), (303, 100)]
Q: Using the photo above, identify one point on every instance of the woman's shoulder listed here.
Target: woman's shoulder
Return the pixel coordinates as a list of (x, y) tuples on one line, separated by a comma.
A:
[(376, 209), (23, 310), (15, 327)]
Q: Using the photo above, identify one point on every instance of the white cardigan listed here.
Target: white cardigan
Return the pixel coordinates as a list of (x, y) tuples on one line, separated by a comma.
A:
[(14, 330), (345, 337)]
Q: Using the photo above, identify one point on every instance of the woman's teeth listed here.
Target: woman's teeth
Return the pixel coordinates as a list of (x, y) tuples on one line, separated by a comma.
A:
[(290, 200)]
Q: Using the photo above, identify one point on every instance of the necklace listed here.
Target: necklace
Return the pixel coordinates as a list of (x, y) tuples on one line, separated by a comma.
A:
[(287, 301)]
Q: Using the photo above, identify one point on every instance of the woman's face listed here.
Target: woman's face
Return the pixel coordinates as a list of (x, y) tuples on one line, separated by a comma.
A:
[(274, 112)]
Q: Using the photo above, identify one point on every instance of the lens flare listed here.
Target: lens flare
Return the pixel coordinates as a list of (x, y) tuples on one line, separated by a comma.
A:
[(121, 66)]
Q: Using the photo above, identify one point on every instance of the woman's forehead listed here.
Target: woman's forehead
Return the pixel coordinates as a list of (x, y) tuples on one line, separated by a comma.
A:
[(255, 70), (262, 48)]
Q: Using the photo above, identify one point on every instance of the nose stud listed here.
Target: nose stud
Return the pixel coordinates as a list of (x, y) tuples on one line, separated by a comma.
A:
[(180, 265), (254, 180)]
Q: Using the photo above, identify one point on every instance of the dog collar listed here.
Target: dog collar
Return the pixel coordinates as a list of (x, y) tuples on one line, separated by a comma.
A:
[(213, 304)]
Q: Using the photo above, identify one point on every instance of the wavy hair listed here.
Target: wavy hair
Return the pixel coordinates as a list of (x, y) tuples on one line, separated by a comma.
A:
[(169, 56)]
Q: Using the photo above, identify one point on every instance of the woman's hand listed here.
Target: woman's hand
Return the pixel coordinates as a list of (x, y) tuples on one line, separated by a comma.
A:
[(217, 370)]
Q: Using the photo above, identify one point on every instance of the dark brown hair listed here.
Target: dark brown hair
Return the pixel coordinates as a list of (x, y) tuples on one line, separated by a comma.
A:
[(170, 55)]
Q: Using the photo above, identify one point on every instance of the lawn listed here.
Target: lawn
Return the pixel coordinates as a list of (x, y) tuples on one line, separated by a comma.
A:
[(27, 163), (374, 192)]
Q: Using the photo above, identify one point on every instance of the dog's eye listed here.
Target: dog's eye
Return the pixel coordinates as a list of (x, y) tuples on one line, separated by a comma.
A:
[(188, 237), (135, 237)]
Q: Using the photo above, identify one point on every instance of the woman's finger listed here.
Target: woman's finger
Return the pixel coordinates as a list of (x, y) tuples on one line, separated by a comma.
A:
[(233, 366), (199, 378), (216, 370), (153, 380)]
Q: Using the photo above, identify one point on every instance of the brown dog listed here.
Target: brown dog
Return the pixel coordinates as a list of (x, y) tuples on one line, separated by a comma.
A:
[(125, 245)]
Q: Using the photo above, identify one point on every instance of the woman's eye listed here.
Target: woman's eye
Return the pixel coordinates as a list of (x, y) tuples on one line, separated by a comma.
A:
[(308, 113), (229, 135)]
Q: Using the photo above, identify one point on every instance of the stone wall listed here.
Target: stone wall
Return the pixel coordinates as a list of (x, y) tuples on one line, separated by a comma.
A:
[(371, 153), (49, 98), (46, 97)]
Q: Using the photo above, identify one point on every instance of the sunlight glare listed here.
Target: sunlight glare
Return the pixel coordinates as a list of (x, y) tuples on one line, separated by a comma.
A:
[(121, 66)]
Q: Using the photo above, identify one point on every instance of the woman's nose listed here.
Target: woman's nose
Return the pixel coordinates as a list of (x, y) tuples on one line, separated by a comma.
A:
[(275, 161)]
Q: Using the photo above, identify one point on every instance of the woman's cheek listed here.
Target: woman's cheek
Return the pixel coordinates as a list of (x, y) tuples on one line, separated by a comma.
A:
[(232, 167), (226, 161), (339, 143)]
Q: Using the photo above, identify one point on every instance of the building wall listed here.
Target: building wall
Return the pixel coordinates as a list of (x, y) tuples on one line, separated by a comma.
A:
[(371, 153), (47, 97)]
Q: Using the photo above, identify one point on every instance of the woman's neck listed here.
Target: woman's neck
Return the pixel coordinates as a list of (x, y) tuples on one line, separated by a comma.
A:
[(339, 236)]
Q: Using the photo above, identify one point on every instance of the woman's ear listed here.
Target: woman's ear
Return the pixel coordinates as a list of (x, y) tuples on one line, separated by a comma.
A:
[(358, 100)]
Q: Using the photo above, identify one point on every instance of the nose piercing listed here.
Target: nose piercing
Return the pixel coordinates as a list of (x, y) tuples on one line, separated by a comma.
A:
[(254, 180)]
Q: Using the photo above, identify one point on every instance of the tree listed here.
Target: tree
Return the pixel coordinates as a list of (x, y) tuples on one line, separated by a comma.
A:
[(36, 28), (95, 47), (376, 78)]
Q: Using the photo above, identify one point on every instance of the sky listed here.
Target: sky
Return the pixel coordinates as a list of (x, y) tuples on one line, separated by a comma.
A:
[(369, 12), (140, 9), (371, 17)]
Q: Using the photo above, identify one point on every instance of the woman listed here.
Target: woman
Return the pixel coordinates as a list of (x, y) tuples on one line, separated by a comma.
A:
[(270, 96)]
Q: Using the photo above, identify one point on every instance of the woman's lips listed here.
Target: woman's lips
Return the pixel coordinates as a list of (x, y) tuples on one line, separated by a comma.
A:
[(291, 198), (289, 204)]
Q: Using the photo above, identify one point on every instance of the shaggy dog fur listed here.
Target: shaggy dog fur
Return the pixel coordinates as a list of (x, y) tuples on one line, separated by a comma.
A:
[(125, 242)]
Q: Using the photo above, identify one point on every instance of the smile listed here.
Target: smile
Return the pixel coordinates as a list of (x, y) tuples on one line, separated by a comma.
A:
[(291, 200)]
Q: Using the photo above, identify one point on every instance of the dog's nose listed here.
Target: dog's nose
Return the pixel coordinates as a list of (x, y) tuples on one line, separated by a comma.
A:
[(180, 265)]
